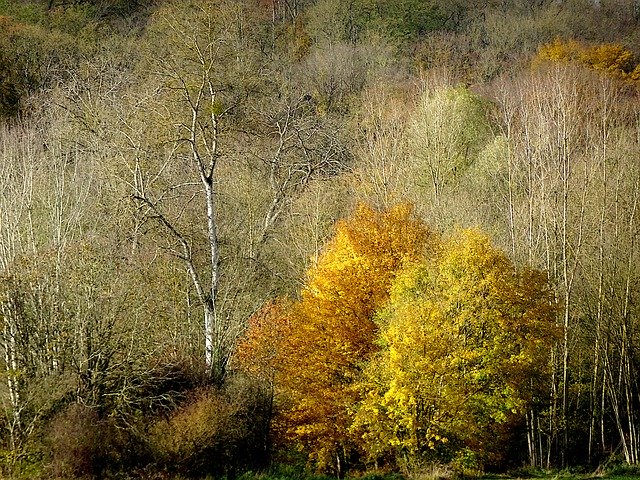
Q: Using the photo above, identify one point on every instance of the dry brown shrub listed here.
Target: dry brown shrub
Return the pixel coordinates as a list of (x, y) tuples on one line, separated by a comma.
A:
[(82, 445)]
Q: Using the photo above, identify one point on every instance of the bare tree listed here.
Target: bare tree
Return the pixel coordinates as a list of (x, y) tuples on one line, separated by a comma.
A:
[(191, 77), (44, 204), (214, 119)]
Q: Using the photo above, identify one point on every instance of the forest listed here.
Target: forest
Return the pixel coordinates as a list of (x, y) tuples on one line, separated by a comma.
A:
[(339, 237)]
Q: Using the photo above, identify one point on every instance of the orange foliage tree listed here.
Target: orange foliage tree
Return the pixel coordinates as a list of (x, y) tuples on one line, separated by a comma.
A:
[(258, 351), (315, 347)]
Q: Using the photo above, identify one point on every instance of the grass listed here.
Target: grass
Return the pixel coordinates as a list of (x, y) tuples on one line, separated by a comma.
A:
[(566, 476), (540, 476), (296, 474)]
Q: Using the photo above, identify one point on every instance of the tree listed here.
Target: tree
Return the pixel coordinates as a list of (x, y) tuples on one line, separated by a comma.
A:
[(566, 130), (449, 129), (330, 330), (359, 20), (288, 144), (202, 72), (465, 346), (58, 306), (381, 172), (234, 142), (610, 58)]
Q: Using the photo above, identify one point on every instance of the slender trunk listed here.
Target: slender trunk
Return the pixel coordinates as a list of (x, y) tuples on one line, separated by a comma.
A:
[(212, 329), (603, 396), (614, 392), (600, 299), (540, 443), (626, 342), (10, 334)]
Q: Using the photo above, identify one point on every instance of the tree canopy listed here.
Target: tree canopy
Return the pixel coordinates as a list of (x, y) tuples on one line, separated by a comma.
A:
[(464, 350)]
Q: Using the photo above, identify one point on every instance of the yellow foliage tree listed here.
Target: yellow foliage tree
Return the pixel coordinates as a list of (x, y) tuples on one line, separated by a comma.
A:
[(329, 333), (465, 344), (610, 58)]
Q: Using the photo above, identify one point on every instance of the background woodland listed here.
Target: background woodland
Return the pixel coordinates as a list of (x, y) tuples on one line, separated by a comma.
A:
[(350, 236)]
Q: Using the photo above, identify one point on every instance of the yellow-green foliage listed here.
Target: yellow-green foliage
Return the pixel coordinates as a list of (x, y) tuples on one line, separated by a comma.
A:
[(33, 55), (610, 58), (449, 129), (464, 345)]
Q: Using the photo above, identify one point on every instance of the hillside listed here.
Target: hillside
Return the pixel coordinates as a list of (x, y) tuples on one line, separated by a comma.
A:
[(352, 236)]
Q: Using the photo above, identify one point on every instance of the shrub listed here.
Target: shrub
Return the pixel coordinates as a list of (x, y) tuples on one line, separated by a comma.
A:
[(214, 432), (184, 441), (82, 444)]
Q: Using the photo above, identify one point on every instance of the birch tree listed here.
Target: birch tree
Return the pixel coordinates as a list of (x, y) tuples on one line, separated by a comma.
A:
[(43, 205), (571, 210), (204, 66)]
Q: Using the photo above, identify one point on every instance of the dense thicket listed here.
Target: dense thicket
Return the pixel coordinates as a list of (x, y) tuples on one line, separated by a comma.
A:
[(233, 229)]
